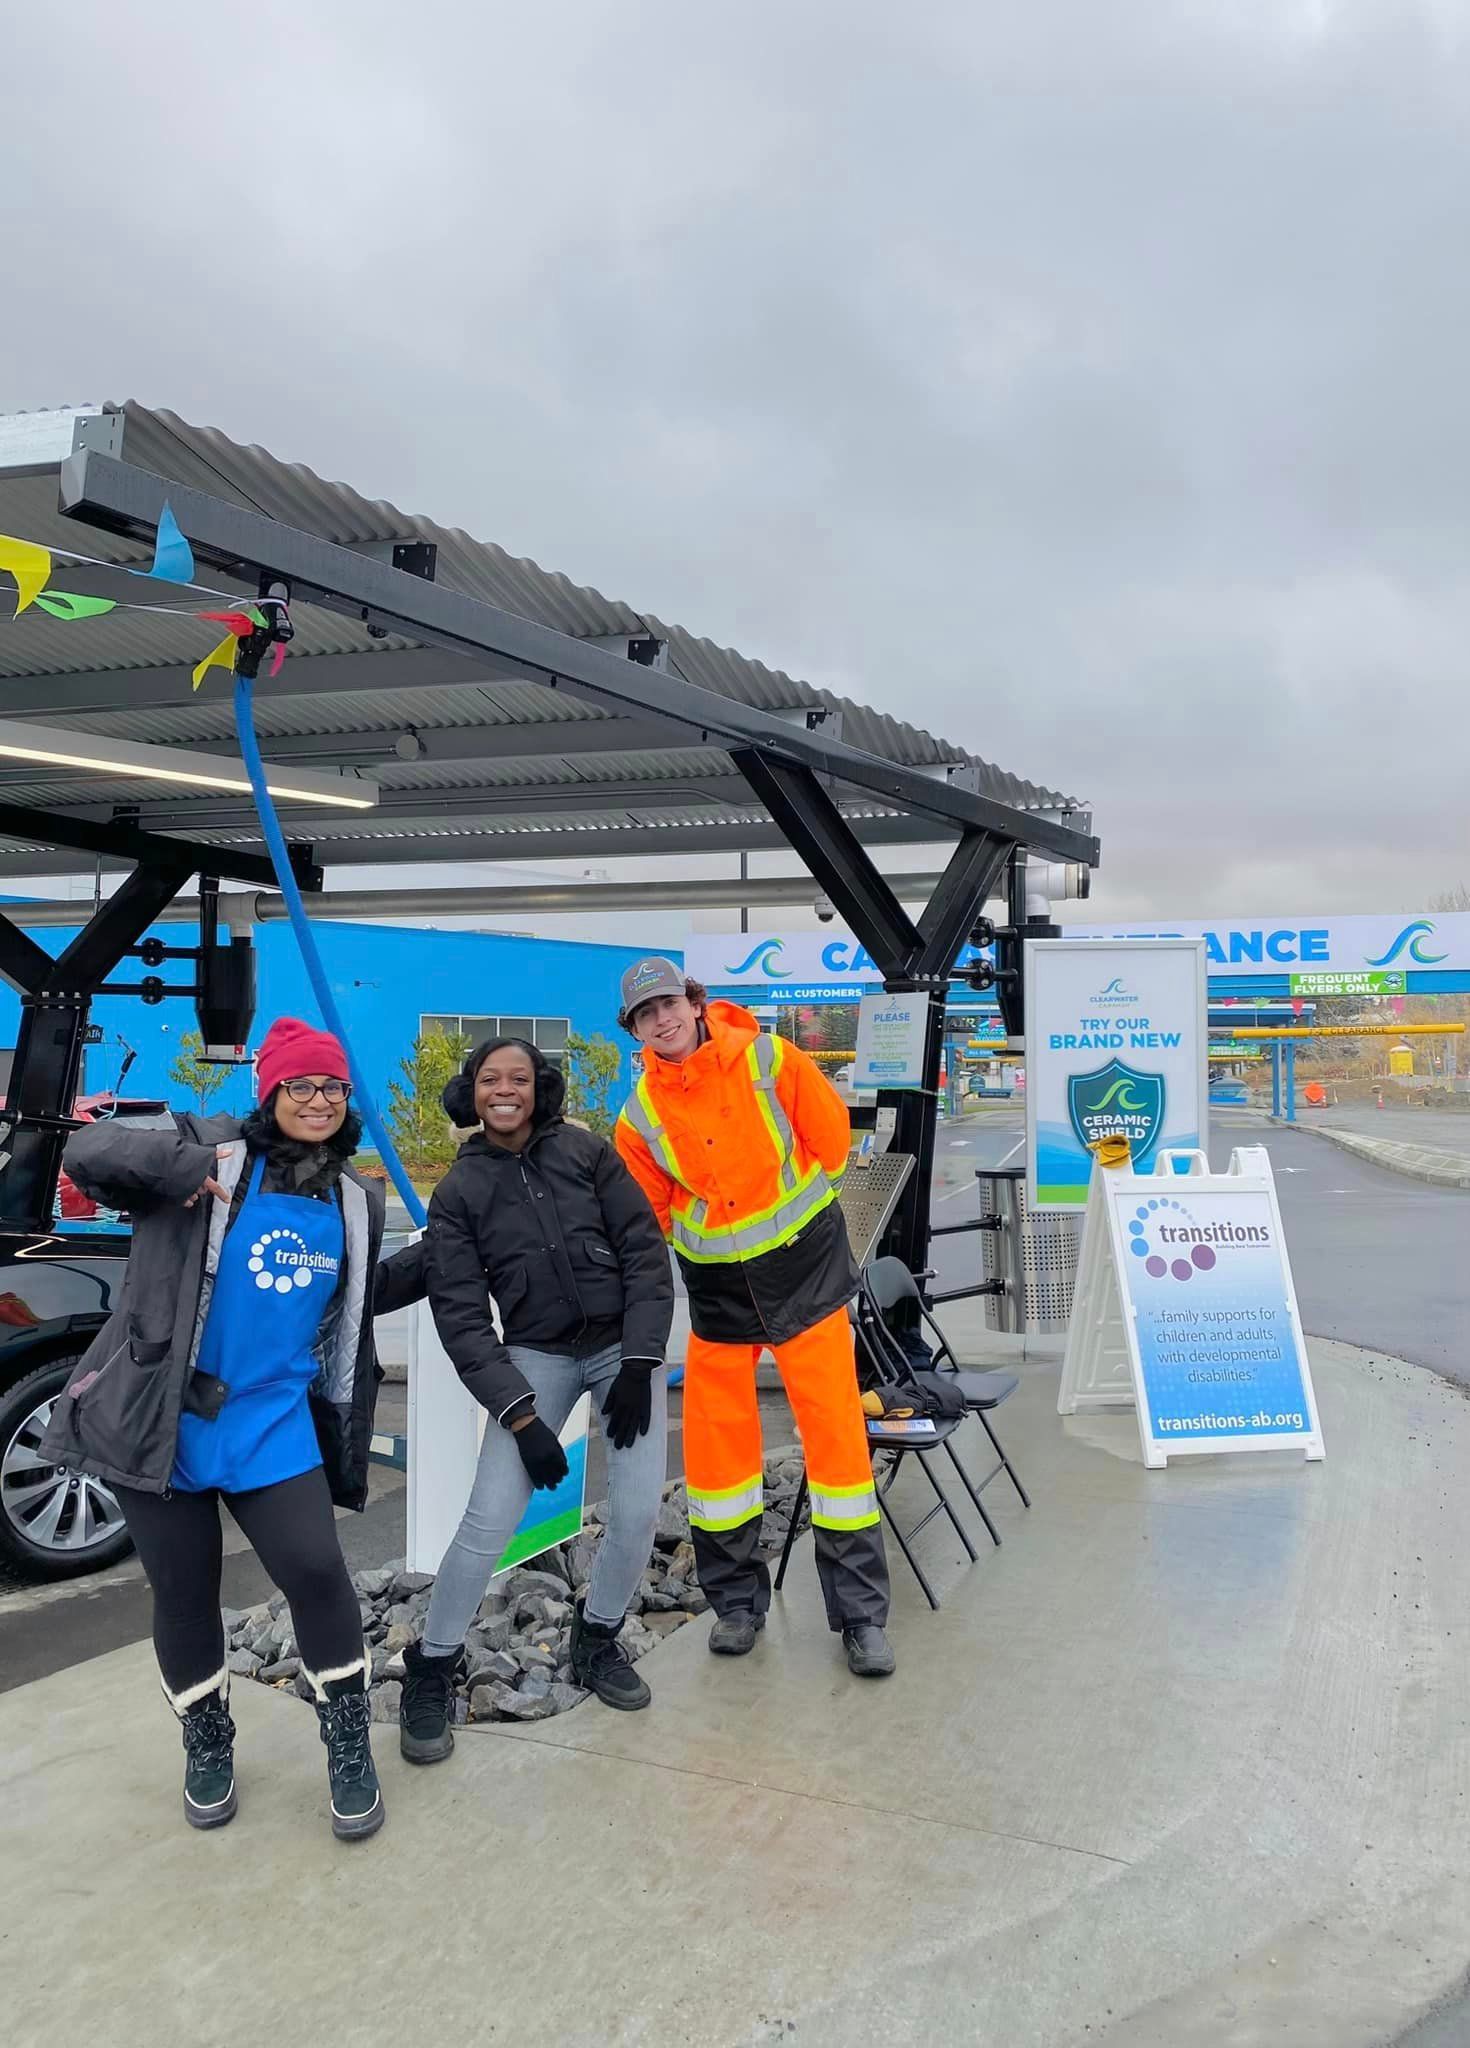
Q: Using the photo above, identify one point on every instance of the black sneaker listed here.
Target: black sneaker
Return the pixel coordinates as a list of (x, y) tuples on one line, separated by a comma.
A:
[(357, 1797), (734, 1634), (424, 1733), (600, 1663), (869, 1652), (209, 1767)]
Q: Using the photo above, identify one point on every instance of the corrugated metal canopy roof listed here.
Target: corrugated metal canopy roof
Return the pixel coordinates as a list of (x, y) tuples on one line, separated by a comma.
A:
[(504, 768)]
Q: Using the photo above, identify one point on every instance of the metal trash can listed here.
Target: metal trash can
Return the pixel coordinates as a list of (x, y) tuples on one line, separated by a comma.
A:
[(1032, 1253)]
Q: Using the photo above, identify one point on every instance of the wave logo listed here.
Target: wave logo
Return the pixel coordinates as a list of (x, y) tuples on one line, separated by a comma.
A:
[(283, 1248), (1412, 936), (1115, 995), (763, 959)]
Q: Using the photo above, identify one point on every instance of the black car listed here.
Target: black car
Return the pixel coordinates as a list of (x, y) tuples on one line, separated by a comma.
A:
[(56, 1292)]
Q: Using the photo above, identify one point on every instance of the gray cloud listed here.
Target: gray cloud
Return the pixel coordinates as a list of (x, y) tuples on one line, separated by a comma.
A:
[(1085, 383)]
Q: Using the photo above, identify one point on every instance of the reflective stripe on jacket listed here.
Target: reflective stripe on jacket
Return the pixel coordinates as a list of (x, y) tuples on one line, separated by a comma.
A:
[(740, 1149)]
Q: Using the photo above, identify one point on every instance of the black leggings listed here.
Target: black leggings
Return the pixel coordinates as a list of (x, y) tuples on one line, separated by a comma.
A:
[(292, 1531)]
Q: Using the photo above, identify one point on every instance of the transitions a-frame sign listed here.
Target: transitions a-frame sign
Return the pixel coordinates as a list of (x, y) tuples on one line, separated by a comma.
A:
[(1185, 1308)]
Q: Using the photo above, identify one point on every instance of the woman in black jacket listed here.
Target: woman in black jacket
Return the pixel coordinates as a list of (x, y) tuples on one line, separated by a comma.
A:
[(239, 1366), (543, 1215)]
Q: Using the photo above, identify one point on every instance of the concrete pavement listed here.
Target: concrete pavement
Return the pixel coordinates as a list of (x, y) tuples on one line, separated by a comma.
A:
[(1185, 1762), (1418, 1162)]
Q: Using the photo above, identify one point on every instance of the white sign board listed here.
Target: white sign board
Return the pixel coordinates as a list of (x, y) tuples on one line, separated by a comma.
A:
[(1116, 1041), (828, 965), (890, 1042), (1184, 1307), (1395, 943)]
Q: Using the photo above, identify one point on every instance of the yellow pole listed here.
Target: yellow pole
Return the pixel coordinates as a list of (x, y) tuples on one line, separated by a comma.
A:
[(1347, 1030)]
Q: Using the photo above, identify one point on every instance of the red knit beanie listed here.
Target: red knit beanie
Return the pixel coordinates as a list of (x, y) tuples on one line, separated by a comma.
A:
[(290, 1049)]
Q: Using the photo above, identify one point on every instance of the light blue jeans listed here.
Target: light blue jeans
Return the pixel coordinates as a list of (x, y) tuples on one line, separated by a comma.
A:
[(502, 1488)]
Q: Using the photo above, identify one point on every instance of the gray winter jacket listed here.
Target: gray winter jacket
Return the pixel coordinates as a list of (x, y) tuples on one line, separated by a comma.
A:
[(119, 1416)]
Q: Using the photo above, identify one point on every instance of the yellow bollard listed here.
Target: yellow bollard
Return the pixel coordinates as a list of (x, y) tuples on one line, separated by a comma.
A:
[(1112, 1151)]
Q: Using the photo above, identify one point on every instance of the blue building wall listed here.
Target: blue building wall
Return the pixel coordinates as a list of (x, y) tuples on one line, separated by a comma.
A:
[(384, 978)]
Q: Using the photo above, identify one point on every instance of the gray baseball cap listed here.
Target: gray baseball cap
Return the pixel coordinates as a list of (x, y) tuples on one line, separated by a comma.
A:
[(648, 978)]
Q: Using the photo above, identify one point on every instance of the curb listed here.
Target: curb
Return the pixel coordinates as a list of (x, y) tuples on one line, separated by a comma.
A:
[(1415, 1162)]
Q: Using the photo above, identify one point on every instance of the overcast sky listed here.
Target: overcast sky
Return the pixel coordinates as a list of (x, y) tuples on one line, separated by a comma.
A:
[(1086, 382)]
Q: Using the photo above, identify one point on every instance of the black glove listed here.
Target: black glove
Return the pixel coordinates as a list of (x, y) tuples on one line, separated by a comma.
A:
[(541, 1454), (628, 1409)]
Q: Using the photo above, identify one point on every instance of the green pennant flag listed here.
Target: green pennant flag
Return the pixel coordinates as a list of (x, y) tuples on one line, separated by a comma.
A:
[(66, 604)]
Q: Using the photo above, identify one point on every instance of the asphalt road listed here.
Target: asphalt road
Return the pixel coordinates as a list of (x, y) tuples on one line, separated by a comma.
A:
[(1378, 1260)]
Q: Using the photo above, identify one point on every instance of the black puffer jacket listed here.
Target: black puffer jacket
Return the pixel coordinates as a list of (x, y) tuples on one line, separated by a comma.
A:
[(563, 1237)]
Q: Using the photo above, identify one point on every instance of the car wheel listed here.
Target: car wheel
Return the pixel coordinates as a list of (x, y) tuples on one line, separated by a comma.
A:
[(54, 1523)]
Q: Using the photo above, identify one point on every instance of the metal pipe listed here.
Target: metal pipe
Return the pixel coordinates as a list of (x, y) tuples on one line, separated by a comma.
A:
[(242, 907)]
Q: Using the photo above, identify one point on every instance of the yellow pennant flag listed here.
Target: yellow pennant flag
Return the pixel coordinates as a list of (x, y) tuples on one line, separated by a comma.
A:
[(29, 564), (222, 656)]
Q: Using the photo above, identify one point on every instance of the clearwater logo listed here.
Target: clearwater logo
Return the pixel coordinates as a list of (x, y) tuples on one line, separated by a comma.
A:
[(764, 955), (1165, 1236), (283, 1248), (1114, 996), (1412, 936), (1117, 1100)]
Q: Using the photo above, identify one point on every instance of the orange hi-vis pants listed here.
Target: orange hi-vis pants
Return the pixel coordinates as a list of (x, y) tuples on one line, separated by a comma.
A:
[(723, 1471)]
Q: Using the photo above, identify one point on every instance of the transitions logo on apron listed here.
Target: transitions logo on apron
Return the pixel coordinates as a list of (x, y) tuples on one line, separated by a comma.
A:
[(281, 1262)]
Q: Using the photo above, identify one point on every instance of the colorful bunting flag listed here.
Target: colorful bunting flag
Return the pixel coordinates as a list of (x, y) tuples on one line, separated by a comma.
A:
[(69, 604), (222, 656), (173, 558), (29, 564)]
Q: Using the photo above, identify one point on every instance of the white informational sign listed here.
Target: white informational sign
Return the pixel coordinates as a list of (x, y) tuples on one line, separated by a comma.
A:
[(1116, 1040), (890, 1042), (828, 965), (1184, 1307)]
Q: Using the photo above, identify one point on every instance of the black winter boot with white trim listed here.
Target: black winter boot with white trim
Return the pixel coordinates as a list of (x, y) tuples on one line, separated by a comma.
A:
[(600, 1663), (210, 1799), (357, 1797)]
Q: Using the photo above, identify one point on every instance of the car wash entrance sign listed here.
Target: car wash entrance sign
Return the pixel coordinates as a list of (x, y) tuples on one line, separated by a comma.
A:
[(1185, 1307), (1115, 1044)]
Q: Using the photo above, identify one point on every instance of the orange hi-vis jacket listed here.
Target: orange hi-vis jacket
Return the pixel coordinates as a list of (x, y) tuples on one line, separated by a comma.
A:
[(740, 1149)]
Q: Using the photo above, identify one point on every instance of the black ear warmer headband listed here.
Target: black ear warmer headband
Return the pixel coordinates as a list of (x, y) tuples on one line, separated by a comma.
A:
[(458, 1098)]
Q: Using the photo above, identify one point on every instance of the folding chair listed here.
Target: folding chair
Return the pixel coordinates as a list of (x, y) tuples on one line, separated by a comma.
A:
[(896, 1451), (886, 1283)]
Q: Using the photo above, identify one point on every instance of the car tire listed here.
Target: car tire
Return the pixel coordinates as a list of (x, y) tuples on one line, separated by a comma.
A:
[(53, 1524)]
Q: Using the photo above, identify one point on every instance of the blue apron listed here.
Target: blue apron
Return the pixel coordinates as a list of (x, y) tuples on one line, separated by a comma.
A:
[(278, 1270)]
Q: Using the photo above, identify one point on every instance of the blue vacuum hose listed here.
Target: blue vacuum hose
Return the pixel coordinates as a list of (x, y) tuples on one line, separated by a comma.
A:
[(306, 940)]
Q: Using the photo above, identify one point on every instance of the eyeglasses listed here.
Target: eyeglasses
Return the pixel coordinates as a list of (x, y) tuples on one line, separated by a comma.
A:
[(330, 1091)]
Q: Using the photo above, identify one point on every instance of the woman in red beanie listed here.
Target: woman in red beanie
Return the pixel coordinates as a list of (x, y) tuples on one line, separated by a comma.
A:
[(239, 1366)]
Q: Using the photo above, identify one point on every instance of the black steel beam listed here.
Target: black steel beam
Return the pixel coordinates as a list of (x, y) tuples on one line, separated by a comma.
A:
[(119, 923), (834, 856), (126, 844), (116, 496), (47, 1066), (23, 963), (964, 889)]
